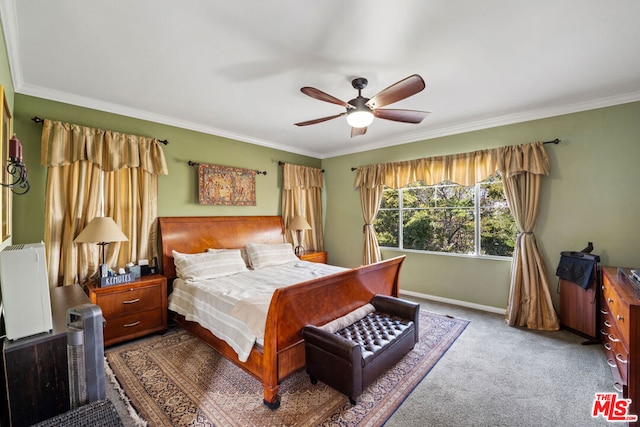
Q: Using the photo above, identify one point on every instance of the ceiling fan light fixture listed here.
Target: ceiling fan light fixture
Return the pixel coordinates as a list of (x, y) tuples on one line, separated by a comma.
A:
[(360, 118), (360, 111)]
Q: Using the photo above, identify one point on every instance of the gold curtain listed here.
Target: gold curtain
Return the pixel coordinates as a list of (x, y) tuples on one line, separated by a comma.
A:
[(302, 195), (522, 168), (85, 165), (370, 182), (464, 169)]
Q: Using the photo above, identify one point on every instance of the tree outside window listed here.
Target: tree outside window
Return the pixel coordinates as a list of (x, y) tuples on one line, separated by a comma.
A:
[(448, 218)]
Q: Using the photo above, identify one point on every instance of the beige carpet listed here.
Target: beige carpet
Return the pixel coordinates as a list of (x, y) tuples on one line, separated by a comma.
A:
[(176, 380)]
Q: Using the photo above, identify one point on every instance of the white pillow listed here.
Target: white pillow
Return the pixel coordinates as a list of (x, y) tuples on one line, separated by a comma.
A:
[(243, 254), (267, 255), (208, 265)]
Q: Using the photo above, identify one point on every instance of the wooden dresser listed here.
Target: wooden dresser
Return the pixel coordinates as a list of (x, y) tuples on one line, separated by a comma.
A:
[(620, 330), (132, 309)]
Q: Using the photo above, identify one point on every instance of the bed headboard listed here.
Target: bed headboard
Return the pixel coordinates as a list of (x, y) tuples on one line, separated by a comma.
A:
[(193, 234)]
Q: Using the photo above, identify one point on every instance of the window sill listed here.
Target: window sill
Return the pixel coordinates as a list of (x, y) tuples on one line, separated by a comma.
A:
[(472, 256)]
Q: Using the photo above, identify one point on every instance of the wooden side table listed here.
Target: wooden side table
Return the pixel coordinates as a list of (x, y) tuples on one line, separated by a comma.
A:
[(35, 368), (132, 309), (314, 256)]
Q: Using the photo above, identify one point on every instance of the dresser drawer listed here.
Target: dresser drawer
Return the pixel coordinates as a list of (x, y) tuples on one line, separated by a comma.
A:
[(618, 311), (132, 309), (617, 355), (132, 300), (133, 325)]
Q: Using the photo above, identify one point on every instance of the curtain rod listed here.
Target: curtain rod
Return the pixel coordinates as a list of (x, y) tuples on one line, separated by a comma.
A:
[(191, 163), (555, 141), (40, 120), (281, 163)]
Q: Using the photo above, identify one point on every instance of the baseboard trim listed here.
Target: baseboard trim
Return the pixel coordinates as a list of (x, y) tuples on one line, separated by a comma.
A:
[(467, 304)]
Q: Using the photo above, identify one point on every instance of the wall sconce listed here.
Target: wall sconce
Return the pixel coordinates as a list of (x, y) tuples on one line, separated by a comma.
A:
[(16, 169)]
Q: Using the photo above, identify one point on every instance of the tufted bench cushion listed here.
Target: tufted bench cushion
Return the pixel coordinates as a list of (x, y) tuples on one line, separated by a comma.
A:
[(350, 354), (374, 332)]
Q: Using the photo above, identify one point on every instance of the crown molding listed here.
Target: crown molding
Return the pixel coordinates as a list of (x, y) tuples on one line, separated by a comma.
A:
[(421, 136), (9, 19), (108, 107), (509, 119)]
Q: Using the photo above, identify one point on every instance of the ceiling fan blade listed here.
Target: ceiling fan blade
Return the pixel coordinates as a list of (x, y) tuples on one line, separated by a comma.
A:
[(358, 131), (406, 116), (397, 91), (322, 96), (320, 120)]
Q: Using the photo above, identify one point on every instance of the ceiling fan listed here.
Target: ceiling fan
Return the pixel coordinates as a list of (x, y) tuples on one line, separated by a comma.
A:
[(361, 111)]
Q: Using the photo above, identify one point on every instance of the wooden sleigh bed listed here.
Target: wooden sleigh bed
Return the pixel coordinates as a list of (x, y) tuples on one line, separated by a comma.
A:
[(316, 301)]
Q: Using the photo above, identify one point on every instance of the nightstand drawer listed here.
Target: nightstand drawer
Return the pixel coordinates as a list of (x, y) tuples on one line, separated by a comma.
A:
[(132, 300), (314, 256), (133, 325), (132, 309)]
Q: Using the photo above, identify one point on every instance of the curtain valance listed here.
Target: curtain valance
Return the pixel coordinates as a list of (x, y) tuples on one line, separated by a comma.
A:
[(65, 144), (516, 159), (464, 168), (301, 176)]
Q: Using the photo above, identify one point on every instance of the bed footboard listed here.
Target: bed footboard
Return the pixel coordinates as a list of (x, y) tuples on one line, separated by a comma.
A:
[(317, 302)]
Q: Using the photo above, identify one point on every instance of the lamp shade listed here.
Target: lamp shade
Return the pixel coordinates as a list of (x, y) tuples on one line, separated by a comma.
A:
[(299, 223), (101, 229)]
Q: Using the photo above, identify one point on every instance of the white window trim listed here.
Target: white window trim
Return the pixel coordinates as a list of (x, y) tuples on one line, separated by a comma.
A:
[(477, 234)]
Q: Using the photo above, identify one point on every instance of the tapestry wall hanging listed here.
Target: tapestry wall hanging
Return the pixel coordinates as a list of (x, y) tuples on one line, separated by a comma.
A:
[(222, 185)]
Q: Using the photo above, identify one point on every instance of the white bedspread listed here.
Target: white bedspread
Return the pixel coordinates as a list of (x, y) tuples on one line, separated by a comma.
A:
[(234, 308)]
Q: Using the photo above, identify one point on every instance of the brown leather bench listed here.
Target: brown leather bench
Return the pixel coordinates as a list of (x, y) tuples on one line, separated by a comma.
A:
[(351, 352)]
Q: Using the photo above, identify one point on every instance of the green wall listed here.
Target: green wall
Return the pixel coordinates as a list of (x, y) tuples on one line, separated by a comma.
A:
[(177, 192), (5, 73), (590, 195), (7, 85)]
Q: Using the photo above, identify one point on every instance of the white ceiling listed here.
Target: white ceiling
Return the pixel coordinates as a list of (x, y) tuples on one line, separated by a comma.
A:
[(235, 68)]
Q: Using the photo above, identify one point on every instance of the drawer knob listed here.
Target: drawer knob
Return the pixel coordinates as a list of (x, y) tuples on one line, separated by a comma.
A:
[(611, 363), (609, 300), (607, 323), (620, 317), (131, 301), (603, 311), (607, 346), (613, 338)]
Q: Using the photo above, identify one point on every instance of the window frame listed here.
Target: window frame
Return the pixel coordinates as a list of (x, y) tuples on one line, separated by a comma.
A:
[(476, 210)]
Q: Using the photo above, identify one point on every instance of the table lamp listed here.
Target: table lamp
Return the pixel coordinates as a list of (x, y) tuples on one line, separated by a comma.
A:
[(298, 224), (101, 230)]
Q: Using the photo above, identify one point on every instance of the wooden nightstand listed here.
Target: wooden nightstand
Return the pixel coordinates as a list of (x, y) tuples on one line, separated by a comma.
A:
[(314, 256), (132, 309)]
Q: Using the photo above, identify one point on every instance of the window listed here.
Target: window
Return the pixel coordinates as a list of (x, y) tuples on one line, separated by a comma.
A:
[(448, 218)]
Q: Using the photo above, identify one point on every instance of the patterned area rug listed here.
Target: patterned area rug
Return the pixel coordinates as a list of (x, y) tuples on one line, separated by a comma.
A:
[(176, 380)]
